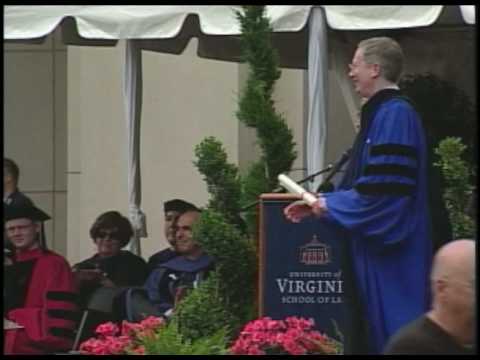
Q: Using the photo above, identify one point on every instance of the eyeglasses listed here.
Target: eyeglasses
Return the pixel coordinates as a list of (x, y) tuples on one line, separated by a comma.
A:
[(113, 235)]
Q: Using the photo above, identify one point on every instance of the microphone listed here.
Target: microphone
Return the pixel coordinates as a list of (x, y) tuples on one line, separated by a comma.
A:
[(326, 185)]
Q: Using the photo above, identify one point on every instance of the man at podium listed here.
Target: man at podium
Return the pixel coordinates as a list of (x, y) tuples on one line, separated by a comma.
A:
[(382, 198)]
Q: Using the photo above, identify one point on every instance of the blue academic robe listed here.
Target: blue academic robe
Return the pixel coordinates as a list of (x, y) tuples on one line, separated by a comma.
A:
[(382, 202), (164, 281)]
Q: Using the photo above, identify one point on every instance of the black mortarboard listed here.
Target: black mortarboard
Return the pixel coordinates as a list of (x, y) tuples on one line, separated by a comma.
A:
[(33, 213), (178, 205)]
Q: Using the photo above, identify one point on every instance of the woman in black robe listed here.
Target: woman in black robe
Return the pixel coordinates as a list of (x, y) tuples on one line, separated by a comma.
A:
[(103, 276), (110, 266)]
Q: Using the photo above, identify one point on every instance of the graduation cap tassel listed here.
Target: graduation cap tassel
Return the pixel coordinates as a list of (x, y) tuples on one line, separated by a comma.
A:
[(42, 237)]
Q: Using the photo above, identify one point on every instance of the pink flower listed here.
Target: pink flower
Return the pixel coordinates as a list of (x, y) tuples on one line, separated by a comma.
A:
[(275, 325), (294, 336), (107, 329), (109, 342), (130, 329), (88, 345), (238, 347), (299, 323), (115, 346), (253, 350), (292, 347), (152, 322), (97, 347)]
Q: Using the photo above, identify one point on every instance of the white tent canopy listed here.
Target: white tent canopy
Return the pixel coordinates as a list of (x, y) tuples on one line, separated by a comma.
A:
[(162, 22), (170, 28)]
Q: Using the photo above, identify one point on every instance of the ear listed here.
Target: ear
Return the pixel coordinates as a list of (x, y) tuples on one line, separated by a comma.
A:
[(375, 70), (439, 287)]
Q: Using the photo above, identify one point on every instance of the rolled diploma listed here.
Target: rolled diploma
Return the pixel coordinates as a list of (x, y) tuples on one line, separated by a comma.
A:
[(293, 187)]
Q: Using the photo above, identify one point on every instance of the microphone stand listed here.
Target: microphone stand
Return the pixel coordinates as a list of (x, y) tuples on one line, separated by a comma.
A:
[(326, 185), (280, 189)]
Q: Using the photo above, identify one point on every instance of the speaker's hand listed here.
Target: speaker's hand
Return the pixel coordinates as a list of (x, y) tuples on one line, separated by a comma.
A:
[(297, 210)]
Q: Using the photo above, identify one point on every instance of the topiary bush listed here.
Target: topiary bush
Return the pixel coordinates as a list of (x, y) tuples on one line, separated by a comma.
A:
[(257, 110), (458, 188), (227, 298), (202, 312)]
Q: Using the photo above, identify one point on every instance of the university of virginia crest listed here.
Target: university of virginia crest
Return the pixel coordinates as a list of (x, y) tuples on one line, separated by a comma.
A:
[(315, 253)]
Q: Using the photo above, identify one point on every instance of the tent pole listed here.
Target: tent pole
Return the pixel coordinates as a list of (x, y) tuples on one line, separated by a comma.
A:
[(317, 93), (132, 87)]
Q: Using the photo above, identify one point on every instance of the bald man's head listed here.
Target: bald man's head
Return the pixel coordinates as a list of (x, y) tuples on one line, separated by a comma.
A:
[(453, 287), (455, 260)]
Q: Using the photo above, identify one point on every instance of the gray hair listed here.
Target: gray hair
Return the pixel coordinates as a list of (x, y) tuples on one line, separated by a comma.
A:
[(387, 53)]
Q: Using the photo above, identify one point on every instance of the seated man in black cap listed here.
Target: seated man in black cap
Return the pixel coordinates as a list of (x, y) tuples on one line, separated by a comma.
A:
[(172, 210), (170, 281), (40, 312)]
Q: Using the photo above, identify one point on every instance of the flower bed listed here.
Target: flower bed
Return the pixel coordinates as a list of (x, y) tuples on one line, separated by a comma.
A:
[(293, 336), (153, 336), (125, 341)]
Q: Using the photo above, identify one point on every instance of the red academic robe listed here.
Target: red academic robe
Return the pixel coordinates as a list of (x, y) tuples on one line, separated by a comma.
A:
[(49, 312)]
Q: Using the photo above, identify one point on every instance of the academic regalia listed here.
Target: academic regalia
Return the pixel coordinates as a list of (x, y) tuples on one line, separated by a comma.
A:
[(163, 283), (39, 295), (124, 269), (44, 304), (382, 202), (161, 257)]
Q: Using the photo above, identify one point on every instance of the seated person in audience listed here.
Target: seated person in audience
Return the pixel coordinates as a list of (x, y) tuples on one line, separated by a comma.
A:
[(448, 328), (11, 194), (168, 283), (111, 266), (171, 209), (40, 311)]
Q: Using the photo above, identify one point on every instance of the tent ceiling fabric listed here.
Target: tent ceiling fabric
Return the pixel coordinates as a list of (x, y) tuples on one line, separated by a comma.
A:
[(164, 22)]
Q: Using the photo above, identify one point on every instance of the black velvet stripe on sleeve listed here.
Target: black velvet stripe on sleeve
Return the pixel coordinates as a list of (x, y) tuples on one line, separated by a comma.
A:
[(62, 296), (62, 332), (394, 149), (64, 314), (397, 189), (391, 169)]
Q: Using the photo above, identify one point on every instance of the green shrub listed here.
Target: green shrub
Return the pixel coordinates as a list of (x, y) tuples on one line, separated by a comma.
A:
[(445, 111), (458, 189), (227, 299), (169, 340), (223, 181), (202, 312)]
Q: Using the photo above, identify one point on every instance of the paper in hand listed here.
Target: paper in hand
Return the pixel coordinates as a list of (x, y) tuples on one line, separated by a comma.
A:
[(10, 325), (293, 187)]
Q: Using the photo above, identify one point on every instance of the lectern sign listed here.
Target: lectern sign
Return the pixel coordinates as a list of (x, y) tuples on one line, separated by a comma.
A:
[(315, 253), (300, 268)]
